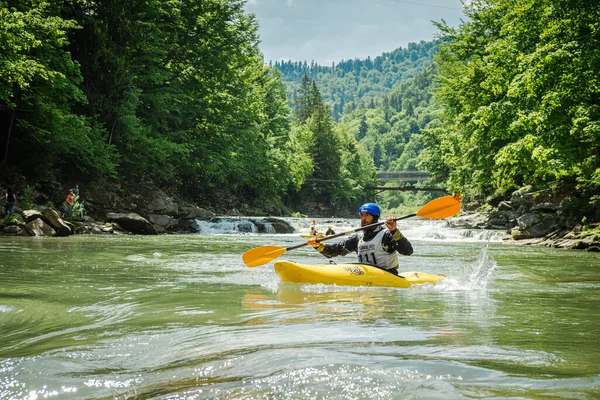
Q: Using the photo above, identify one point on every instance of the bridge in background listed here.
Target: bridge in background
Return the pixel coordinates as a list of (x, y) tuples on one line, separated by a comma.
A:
[(410, 177), (404, 176)]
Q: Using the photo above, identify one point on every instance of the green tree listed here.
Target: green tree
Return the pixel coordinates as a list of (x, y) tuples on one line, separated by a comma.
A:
[(363, 128), (520, 83), (174, 93), (338, 165), (39, 84), (377, 154)]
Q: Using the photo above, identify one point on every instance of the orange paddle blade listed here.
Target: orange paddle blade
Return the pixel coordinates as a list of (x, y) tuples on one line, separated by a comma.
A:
[(262, 255), (440, 208)]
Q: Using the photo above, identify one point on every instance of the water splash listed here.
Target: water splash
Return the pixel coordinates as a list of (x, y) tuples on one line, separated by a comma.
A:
[(271, 284), (5, 309), (473, 276)]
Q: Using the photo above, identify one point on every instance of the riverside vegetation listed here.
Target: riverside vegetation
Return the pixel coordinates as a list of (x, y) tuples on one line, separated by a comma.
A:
[(503, 109)]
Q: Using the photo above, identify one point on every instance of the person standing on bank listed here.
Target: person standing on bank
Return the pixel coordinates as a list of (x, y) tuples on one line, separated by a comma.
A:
[(69, 204), (376, 246), (11, 199)]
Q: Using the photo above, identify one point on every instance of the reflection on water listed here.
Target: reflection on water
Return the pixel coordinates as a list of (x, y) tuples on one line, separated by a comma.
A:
[(182, 317)]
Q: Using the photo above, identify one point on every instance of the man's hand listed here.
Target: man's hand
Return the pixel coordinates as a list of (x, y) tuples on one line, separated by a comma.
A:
[(313, 242), (390, 223)]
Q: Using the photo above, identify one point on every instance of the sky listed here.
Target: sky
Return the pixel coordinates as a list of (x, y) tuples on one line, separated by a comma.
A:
[(329, 31)]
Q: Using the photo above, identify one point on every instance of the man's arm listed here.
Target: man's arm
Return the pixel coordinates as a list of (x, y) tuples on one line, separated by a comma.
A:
[(342, 248)]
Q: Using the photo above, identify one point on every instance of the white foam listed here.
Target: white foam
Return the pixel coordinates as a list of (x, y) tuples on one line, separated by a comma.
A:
[(4, 308), (413, 229), (472, 277)]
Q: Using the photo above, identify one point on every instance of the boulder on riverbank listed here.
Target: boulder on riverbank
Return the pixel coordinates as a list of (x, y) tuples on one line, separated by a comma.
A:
[(533, 218), (38, 227), (52, 218), (133, 223), (44, 222), (163, 212), (34, 223), (279, 225), (13, 227)]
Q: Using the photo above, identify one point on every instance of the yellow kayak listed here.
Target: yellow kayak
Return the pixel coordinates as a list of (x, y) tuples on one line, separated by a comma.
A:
[(308, 235), (350, 275)]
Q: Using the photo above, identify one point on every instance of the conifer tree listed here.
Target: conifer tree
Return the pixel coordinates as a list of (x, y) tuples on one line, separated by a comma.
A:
[(363, 128)]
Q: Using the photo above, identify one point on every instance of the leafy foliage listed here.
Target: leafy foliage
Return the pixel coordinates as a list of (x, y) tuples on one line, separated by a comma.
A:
[(520, 88), (174, 93), (39, 84)]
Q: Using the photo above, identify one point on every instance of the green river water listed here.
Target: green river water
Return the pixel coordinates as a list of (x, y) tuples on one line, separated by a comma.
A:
[(181, 317)]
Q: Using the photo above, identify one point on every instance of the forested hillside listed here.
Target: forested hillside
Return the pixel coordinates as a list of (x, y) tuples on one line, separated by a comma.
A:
[(392, 132), (387, 103), (358, 83), (340, 167)]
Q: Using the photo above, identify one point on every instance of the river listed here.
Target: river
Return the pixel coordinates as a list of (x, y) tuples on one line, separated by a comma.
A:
[(181, 317)]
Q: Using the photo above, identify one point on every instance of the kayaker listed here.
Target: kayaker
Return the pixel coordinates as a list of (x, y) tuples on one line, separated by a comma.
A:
[(330, 231), (313, 228), (376, 246)]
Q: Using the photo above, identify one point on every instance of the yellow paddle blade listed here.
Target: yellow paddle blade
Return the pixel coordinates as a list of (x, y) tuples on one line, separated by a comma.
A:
[(262, 255), (440, 208)]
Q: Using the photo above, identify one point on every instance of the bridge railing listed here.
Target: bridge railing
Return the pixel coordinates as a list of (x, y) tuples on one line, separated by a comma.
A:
[(405, 176)]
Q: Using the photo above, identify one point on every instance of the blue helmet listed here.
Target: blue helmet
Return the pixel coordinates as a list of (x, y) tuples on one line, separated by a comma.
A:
[(370, 208)]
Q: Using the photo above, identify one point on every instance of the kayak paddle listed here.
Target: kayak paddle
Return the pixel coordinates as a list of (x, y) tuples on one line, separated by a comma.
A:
[(439, 208)]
